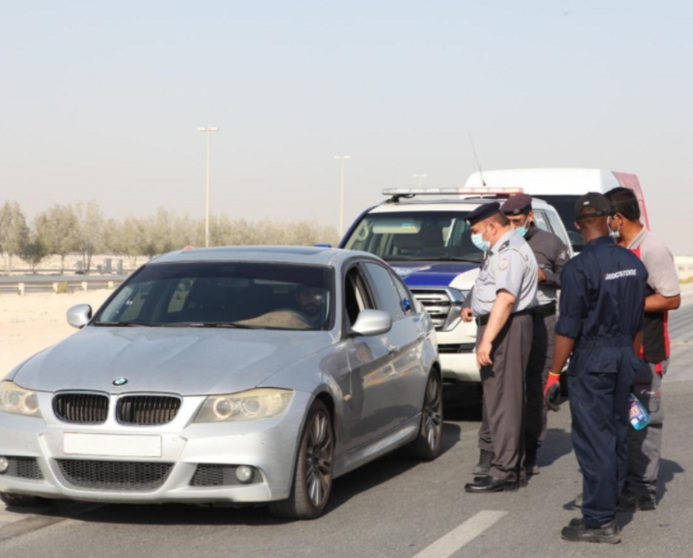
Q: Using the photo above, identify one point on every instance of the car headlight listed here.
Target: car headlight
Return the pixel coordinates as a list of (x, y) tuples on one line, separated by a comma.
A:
[(18, 401), (254, 404)]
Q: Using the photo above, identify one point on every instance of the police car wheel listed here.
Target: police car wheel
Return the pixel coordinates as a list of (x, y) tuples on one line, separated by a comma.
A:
[(20, 501), (429, 440)]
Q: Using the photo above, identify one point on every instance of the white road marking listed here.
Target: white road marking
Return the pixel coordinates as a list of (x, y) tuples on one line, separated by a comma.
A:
[(460, 536)]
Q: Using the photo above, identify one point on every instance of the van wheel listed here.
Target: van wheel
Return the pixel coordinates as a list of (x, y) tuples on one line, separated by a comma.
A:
[(428, 443), (312, 484), (20, 501)]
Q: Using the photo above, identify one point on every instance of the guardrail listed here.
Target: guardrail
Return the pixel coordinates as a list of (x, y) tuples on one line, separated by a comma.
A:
[(23, 285)]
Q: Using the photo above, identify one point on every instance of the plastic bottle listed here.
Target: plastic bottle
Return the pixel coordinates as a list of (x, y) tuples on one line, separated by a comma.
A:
[(638, 415)]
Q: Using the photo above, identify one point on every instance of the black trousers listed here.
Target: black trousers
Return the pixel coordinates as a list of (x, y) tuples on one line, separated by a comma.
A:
[(503, 383)]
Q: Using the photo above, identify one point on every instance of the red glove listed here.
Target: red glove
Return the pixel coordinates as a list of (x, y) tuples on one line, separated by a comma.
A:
[(552, 391)]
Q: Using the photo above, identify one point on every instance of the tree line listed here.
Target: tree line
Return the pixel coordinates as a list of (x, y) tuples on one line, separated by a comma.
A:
[(82, 229)]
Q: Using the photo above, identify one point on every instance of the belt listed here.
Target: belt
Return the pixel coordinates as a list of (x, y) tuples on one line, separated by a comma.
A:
[(546, 310), (483, 320)]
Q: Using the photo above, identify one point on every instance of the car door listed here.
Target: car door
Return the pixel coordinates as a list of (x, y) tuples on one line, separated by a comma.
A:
[(405, 340), (372, 406)]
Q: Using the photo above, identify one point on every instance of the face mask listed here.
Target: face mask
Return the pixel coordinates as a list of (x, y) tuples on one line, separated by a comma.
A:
[(524, 229), (479, 241), (616, 235)]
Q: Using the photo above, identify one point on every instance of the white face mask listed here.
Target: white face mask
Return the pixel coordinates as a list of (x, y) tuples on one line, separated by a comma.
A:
[(615, 234)]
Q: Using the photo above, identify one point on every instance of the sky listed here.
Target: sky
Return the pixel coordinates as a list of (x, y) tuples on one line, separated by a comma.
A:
[(102, 100)]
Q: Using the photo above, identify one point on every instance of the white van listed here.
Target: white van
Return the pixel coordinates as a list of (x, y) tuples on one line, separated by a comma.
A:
[(560, 187)]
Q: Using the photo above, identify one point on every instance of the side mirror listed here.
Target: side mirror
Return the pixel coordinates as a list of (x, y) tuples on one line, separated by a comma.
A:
[(78, 316), (372, 322)]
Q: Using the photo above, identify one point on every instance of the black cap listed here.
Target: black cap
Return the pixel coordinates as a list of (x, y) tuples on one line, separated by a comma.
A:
[(483, 212), (517, 204), (599, 205)]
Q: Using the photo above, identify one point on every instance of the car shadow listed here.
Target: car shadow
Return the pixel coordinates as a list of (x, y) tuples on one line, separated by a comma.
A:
[(344, 489)]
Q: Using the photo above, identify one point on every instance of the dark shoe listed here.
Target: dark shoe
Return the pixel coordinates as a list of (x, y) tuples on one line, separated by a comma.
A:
[(531, 466), (577, 531), (484, 465), (487, 485), (628, 502)]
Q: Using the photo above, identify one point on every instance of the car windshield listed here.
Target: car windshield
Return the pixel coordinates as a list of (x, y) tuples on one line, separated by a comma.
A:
[(232, 295), (416, 235), (565, 205)]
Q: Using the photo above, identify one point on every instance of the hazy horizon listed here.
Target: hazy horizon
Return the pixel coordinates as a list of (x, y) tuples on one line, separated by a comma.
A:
[(102, 101)]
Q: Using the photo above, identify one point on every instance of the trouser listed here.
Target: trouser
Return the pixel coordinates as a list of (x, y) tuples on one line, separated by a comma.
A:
[(644, 446), (503, 384), (538, 368), (540, 360), (599, 383)]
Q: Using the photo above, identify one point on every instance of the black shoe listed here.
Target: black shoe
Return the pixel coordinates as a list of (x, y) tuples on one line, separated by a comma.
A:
[(486, 485), (531, 466), (577, 531), (628, 502), (484, 465)]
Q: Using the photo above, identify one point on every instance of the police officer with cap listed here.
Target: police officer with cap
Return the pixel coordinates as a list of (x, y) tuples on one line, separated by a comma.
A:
[(600, 328), (503, 301), (552, 254)]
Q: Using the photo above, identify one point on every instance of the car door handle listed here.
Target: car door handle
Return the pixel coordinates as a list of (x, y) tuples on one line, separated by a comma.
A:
[(392, 349)]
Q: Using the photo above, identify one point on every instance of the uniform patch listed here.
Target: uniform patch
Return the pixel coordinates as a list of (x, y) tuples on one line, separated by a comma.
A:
[(621, 274), (503, 264)]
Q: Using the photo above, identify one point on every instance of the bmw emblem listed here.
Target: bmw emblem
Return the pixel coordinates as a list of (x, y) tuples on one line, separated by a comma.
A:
[(120, 381)]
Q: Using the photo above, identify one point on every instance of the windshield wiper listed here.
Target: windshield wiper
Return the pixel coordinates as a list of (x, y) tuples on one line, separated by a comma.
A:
[(120, 324), (229, 325)]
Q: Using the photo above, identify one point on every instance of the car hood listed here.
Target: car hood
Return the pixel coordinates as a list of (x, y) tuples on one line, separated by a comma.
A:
[(186, 361), (460, 275)]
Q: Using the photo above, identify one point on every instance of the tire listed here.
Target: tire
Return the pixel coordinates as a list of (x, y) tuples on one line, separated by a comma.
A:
[(427, 444), (313, 477), (19, 501)]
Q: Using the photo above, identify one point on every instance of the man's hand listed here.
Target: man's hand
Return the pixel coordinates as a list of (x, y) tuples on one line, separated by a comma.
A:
[(483, 353), (552, 391), (542, 275), (467, 315)]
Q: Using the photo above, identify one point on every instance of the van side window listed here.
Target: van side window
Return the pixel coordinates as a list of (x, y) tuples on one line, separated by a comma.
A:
[(541, 222), (557, 226)]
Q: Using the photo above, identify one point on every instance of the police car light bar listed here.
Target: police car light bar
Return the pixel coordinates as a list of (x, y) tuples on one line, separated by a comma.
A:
[(401, 192)]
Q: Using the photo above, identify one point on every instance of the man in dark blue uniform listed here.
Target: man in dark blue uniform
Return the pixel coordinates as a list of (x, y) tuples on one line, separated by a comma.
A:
[(600, 324)]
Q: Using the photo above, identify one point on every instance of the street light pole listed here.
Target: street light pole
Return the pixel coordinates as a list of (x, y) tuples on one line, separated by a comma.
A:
[(341, 195), (420, 177), (207, 130)]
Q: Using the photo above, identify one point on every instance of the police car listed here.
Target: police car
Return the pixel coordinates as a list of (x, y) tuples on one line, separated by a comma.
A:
[(423, 235)]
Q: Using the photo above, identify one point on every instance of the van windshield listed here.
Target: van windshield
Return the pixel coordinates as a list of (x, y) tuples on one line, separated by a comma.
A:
[(416, 235), (565, 205)]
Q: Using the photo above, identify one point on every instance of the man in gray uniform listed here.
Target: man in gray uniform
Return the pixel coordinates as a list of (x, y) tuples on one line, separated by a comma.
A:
[(503, 301), (662, 295), (552, 254)]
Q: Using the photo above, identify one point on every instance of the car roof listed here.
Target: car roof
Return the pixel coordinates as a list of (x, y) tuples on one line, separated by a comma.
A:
[(305, 255), (456, 204)]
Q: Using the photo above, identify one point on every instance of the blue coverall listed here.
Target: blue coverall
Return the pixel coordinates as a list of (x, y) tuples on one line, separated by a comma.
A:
[(601, 307)]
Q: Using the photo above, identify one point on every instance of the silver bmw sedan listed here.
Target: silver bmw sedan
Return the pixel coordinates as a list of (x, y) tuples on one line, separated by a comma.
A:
[(234, 375)]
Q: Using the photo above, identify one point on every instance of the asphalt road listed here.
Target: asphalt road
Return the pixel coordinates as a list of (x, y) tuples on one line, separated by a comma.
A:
[(397, 508)]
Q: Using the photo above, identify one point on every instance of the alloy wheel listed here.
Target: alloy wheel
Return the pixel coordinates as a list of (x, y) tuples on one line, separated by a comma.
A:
[(433, 416), (319, 450)]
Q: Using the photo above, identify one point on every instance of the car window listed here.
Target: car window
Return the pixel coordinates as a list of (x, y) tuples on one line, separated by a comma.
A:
[(209, 294), (415, 235), (541, 221), (406, 299), (356, 296), (557, 227), (386, 294)]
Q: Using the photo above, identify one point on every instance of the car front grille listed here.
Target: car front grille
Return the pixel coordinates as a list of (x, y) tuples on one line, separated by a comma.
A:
[(81, 407), (147, 410), (24, 468), (115, 475), (437, 303), (216, 475), (456, 348)]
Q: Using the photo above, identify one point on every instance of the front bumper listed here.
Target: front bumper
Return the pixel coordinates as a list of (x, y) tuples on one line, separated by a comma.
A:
[(269, 446)]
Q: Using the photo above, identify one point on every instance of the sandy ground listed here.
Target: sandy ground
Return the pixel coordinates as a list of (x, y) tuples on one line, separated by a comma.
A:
[(31, 323)]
